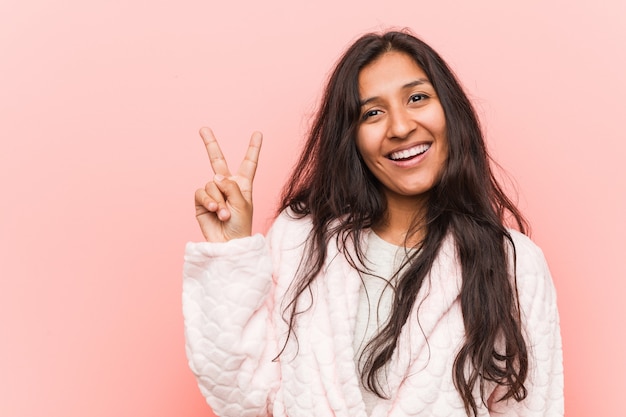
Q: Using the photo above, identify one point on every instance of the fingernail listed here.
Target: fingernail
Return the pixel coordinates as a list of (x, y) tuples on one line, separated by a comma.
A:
[(223, 214), (218, 178)]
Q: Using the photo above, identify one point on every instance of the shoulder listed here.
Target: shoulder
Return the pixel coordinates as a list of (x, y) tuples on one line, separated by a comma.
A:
[(532, 274), (289, 230), (529, 257), (287, 219)]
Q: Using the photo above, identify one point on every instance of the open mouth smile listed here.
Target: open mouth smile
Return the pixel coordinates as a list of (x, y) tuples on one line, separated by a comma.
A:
[(410, 153)]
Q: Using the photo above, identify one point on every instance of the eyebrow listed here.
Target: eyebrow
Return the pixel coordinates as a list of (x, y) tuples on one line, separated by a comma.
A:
[(412, 84)]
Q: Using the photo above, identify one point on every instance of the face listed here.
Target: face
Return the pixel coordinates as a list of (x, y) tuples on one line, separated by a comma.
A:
[(402, 130)]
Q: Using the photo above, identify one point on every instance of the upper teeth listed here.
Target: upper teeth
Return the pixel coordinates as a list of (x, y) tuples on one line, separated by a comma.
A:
[(407, 153)]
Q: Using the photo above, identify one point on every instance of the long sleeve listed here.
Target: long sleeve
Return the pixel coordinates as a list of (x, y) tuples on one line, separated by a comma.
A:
[(233, 301), (540, 320), (230, 343)]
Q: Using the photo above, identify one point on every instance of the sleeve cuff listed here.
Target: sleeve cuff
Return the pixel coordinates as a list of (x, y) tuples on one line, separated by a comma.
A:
[(234, 247)]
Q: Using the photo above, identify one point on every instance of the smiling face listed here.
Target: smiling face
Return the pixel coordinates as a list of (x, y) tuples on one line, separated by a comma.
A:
[(402, 131)]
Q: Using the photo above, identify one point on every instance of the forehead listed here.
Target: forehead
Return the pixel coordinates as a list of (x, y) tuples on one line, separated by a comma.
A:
[(391, 70)]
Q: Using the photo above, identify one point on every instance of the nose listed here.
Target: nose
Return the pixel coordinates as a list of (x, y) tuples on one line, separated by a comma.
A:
[(401, 124)]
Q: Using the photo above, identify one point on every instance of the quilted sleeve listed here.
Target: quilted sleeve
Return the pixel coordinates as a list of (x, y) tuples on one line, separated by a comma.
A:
[(540, 317), (230, 343)]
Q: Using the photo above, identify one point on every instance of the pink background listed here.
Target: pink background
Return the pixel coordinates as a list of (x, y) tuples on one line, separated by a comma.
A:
[(100, 103)]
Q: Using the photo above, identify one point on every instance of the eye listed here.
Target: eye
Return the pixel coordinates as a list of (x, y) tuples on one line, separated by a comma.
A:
[(370, 113), (416, 98)]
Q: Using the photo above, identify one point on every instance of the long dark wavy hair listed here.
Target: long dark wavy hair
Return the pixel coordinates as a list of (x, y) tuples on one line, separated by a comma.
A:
[(332, 186)]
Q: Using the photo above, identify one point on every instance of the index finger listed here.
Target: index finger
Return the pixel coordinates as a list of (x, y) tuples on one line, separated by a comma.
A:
[(216, 157), (247, 169)]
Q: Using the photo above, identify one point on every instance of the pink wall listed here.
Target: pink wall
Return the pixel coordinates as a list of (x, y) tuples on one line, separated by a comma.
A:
[(100, 102)]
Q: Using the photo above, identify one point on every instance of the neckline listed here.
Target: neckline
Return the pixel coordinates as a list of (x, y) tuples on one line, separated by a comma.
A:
[(379, 241)]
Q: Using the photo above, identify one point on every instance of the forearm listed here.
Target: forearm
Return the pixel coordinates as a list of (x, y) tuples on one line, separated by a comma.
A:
[(229, 337)]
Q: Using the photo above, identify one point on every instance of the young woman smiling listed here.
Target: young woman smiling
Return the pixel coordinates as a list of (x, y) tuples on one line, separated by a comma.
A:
[(390, 283)]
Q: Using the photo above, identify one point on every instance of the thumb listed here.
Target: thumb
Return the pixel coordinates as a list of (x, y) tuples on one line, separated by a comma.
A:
[(231, 191)]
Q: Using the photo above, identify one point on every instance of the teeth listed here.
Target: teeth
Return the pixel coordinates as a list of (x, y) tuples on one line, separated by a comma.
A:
[(408, 153)]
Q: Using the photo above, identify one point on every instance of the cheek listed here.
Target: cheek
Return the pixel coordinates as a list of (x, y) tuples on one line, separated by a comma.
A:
[(444, 153), (362, 144), (445, 147), (441, 133), (365, 151), (437, 121)]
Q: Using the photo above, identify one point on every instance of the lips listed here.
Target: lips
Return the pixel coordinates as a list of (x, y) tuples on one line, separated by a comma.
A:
[(409, 153)]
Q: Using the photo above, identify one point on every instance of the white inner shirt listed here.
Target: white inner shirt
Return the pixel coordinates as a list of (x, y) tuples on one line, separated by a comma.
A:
[(382, 261)]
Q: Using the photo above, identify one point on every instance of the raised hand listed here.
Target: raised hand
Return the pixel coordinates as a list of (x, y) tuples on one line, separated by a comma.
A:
[(224, 205)]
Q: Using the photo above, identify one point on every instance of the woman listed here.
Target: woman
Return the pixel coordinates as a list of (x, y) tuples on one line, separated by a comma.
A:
[(389, 284)]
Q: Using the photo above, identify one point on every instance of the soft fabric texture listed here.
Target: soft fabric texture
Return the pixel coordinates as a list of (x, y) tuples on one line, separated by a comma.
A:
[(233, 296)]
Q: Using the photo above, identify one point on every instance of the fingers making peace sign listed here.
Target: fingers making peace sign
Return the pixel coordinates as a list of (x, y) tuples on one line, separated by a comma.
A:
[(224, 205)]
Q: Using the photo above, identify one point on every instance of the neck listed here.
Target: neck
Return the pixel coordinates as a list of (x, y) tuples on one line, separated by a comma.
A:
[(398, 227)]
